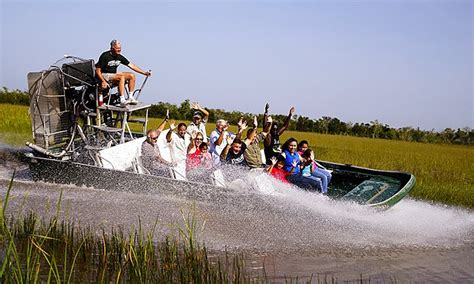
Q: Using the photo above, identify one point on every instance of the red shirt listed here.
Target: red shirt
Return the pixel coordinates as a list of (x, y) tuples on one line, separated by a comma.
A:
[(280, 174), (193, 160)]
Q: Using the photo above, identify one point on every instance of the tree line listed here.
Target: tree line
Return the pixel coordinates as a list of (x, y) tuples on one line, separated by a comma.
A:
[(324, 125)]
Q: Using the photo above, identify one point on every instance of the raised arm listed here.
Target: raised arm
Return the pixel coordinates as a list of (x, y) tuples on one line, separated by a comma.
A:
[(265, 114), (267, 126), (226, 148), (192, 146), (196, 106), (162, 125), (242, 126), (287, 121), (268, 138), (255, 125), (221, 136), (169, 136), (270, 168)]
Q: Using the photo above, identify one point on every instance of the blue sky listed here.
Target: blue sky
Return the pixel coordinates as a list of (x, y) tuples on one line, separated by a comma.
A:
[(404, 63)]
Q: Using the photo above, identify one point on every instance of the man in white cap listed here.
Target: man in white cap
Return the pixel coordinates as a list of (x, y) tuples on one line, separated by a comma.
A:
[(199, 121)]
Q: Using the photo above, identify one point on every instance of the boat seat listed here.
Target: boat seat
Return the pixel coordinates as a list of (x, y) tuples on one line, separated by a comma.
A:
[(138, 165), (138, 120), (107, 129), (122, 156)]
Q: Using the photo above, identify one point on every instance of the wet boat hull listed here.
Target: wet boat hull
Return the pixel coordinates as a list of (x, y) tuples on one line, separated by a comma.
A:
[(374, 188)]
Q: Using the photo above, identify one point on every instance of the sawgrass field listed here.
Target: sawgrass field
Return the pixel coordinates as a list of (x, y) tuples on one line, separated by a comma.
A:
[(444, 173)]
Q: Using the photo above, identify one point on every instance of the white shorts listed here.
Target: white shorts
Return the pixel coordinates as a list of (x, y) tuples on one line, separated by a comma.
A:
[(108, 76)]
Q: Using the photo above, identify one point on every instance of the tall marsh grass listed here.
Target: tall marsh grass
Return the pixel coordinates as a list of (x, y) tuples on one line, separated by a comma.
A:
[(35, 250), (444, 173), (15, 124)]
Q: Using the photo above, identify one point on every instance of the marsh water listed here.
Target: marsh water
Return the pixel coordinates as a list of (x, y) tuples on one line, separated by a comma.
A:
[(290, 233)]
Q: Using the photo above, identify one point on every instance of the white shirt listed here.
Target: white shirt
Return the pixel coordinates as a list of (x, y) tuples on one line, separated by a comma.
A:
[(179, 147), (216, 150), (201, 128)]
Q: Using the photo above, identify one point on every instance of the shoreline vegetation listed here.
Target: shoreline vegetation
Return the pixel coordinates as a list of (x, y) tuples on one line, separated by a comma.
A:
[(323, 125), (444, 172), (56, 250)]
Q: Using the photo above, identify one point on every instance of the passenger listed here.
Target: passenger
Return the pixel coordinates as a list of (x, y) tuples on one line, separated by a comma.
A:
[(276, 169), (151, 158), (106, 71), (193, 159), (317, 171), (233, 152), (179, 148), (307, 169), (302, 146), (198, 160), (206, 158), (218, 140), (253, 154), (199, 121), (292, 158), (272, 147)]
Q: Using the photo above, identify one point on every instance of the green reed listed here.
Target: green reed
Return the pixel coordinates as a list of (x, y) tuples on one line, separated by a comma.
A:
[(55, 250)]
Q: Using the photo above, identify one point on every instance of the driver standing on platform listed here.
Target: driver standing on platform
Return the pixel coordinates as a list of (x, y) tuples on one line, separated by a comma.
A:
[(106, 70)]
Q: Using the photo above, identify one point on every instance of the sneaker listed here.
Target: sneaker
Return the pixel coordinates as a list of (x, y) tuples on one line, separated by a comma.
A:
[(124, 103), (132, 101)]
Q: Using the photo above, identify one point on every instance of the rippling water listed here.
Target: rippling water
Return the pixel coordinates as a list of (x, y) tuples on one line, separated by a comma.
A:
[(291, 232)]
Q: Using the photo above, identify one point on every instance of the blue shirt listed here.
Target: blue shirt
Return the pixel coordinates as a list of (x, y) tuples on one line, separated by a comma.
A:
[(289, 158)]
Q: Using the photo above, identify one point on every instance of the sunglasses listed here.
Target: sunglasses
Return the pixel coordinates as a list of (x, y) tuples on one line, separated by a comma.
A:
[(198, 139), (154, 138)]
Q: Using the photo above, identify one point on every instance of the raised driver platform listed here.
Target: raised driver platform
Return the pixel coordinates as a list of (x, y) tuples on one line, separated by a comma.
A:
[(124, 113)]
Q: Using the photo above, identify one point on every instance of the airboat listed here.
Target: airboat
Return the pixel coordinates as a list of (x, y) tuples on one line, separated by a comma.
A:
[(78, 140)]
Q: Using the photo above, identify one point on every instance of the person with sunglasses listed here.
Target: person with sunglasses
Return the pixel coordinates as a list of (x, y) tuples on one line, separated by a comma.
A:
[(193, 159), (150, 155), (199, 160)]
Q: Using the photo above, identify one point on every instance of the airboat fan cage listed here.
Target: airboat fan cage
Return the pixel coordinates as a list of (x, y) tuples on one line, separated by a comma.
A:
[(56, 95)]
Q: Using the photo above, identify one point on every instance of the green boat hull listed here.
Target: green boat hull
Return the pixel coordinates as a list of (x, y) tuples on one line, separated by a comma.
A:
[(370, 187)]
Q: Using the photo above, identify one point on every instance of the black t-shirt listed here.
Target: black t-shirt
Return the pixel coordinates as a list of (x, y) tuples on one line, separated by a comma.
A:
[(273, 150), (237, 159), (108, 62)]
